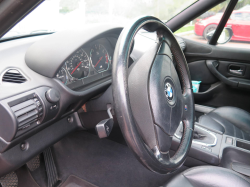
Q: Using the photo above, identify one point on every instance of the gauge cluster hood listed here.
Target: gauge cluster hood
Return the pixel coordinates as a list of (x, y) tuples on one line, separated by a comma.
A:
[(47, 55)]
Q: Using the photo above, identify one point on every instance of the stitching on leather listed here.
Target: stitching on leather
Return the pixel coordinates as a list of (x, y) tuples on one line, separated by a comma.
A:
[(183, 138), (178, 150), (179, 65)]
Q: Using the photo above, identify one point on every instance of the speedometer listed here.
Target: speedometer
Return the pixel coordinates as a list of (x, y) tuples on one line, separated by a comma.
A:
[(99, 57), (78, 64)]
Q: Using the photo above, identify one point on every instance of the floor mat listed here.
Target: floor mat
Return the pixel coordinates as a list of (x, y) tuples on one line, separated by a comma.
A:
[(73, 181), (24, 178), (102, 162), (40, 175), (9, 180)]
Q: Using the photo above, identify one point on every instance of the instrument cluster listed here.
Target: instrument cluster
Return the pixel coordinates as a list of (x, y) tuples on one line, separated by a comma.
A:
[(91, 60)]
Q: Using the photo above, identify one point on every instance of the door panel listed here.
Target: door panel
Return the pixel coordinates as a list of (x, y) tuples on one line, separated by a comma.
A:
[(229, 65)]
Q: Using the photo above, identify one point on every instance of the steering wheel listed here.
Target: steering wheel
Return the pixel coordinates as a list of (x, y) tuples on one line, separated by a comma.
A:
[(149, 100)]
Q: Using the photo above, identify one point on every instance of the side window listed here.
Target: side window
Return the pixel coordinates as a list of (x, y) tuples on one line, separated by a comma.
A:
[(198, 28), (239, 26), (236, 32)]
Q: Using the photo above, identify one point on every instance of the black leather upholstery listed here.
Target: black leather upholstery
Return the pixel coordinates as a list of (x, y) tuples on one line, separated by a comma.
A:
[(228, 120), (207, 176)]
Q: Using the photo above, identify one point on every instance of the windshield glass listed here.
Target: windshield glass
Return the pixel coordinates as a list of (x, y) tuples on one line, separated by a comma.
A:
[(57, 15)]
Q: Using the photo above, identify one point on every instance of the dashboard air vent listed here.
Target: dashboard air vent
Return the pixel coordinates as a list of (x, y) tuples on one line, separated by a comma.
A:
[(13, 76), (28, 111)]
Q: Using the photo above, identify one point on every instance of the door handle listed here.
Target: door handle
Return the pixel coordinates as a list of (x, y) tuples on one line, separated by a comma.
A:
[(237, 72), (212, 64)]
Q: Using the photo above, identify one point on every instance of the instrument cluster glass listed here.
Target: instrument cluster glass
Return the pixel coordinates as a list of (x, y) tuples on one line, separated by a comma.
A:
[(85, 62), (78, 65), (99, 58)]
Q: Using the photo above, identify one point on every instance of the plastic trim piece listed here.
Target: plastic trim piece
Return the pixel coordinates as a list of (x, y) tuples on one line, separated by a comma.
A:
[(201, 143), (15, 157)]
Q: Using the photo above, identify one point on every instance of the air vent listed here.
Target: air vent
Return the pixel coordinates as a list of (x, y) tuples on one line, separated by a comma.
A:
[(13, 76), (28, 112)]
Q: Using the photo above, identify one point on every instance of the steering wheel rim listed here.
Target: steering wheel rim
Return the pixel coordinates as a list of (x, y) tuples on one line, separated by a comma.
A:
[(150, 139)]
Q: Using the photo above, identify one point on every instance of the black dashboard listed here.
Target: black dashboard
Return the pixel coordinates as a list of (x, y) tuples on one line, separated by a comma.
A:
[(44, 80)]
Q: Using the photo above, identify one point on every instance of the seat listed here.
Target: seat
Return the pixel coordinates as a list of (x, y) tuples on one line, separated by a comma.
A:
[(207, 176), (228, 120)]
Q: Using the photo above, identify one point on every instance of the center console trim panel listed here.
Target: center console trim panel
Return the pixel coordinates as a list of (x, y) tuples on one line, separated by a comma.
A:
[(198, 142)]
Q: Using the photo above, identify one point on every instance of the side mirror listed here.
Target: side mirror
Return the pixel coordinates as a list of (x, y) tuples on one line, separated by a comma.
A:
[(225, 36)]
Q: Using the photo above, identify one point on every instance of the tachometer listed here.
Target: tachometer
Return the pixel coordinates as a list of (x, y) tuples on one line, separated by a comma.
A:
[(99, 57), (62, 76), (78, 64)]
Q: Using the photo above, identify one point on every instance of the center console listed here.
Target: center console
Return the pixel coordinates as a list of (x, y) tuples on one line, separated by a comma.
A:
[(235, 155), (216, 148), (205, 146)]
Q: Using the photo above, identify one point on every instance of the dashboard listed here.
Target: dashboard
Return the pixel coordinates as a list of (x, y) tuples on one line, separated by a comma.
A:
[(44, 80), (89, 63)]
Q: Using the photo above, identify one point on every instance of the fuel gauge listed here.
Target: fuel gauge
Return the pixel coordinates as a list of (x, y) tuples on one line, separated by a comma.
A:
[(62, 76)]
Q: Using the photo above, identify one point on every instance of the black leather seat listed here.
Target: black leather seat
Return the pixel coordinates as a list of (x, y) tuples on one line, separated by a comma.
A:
[(228, 120), (207, 176)]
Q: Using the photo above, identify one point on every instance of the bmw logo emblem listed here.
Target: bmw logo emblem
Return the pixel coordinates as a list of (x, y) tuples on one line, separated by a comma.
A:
[(169, 91)]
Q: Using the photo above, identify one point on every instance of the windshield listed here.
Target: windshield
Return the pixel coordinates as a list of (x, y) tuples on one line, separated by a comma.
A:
[(57, 15)]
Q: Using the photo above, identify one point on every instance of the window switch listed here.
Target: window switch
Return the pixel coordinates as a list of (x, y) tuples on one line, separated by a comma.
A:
[(229, 141)]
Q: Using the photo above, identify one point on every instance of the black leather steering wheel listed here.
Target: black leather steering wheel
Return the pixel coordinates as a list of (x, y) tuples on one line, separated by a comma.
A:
[(150, 101)]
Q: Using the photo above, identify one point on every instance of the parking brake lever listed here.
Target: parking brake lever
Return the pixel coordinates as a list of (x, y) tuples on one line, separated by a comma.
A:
[(104, 127)]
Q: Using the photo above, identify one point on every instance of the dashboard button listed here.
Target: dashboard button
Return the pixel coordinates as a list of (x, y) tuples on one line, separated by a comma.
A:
[(229, 141)]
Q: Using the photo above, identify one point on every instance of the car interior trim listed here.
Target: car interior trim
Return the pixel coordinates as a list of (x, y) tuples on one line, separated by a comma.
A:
[(203, 109)]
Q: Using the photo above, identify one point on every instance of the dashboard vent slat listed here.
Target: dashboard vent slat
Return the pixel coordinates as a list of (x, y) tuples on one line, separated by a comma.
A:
[(13, 76), (26, 112)]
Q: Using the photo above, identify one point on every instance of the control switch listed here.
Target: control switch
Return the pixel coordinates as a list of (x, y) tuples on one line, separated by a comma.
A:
[(229, 141)]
